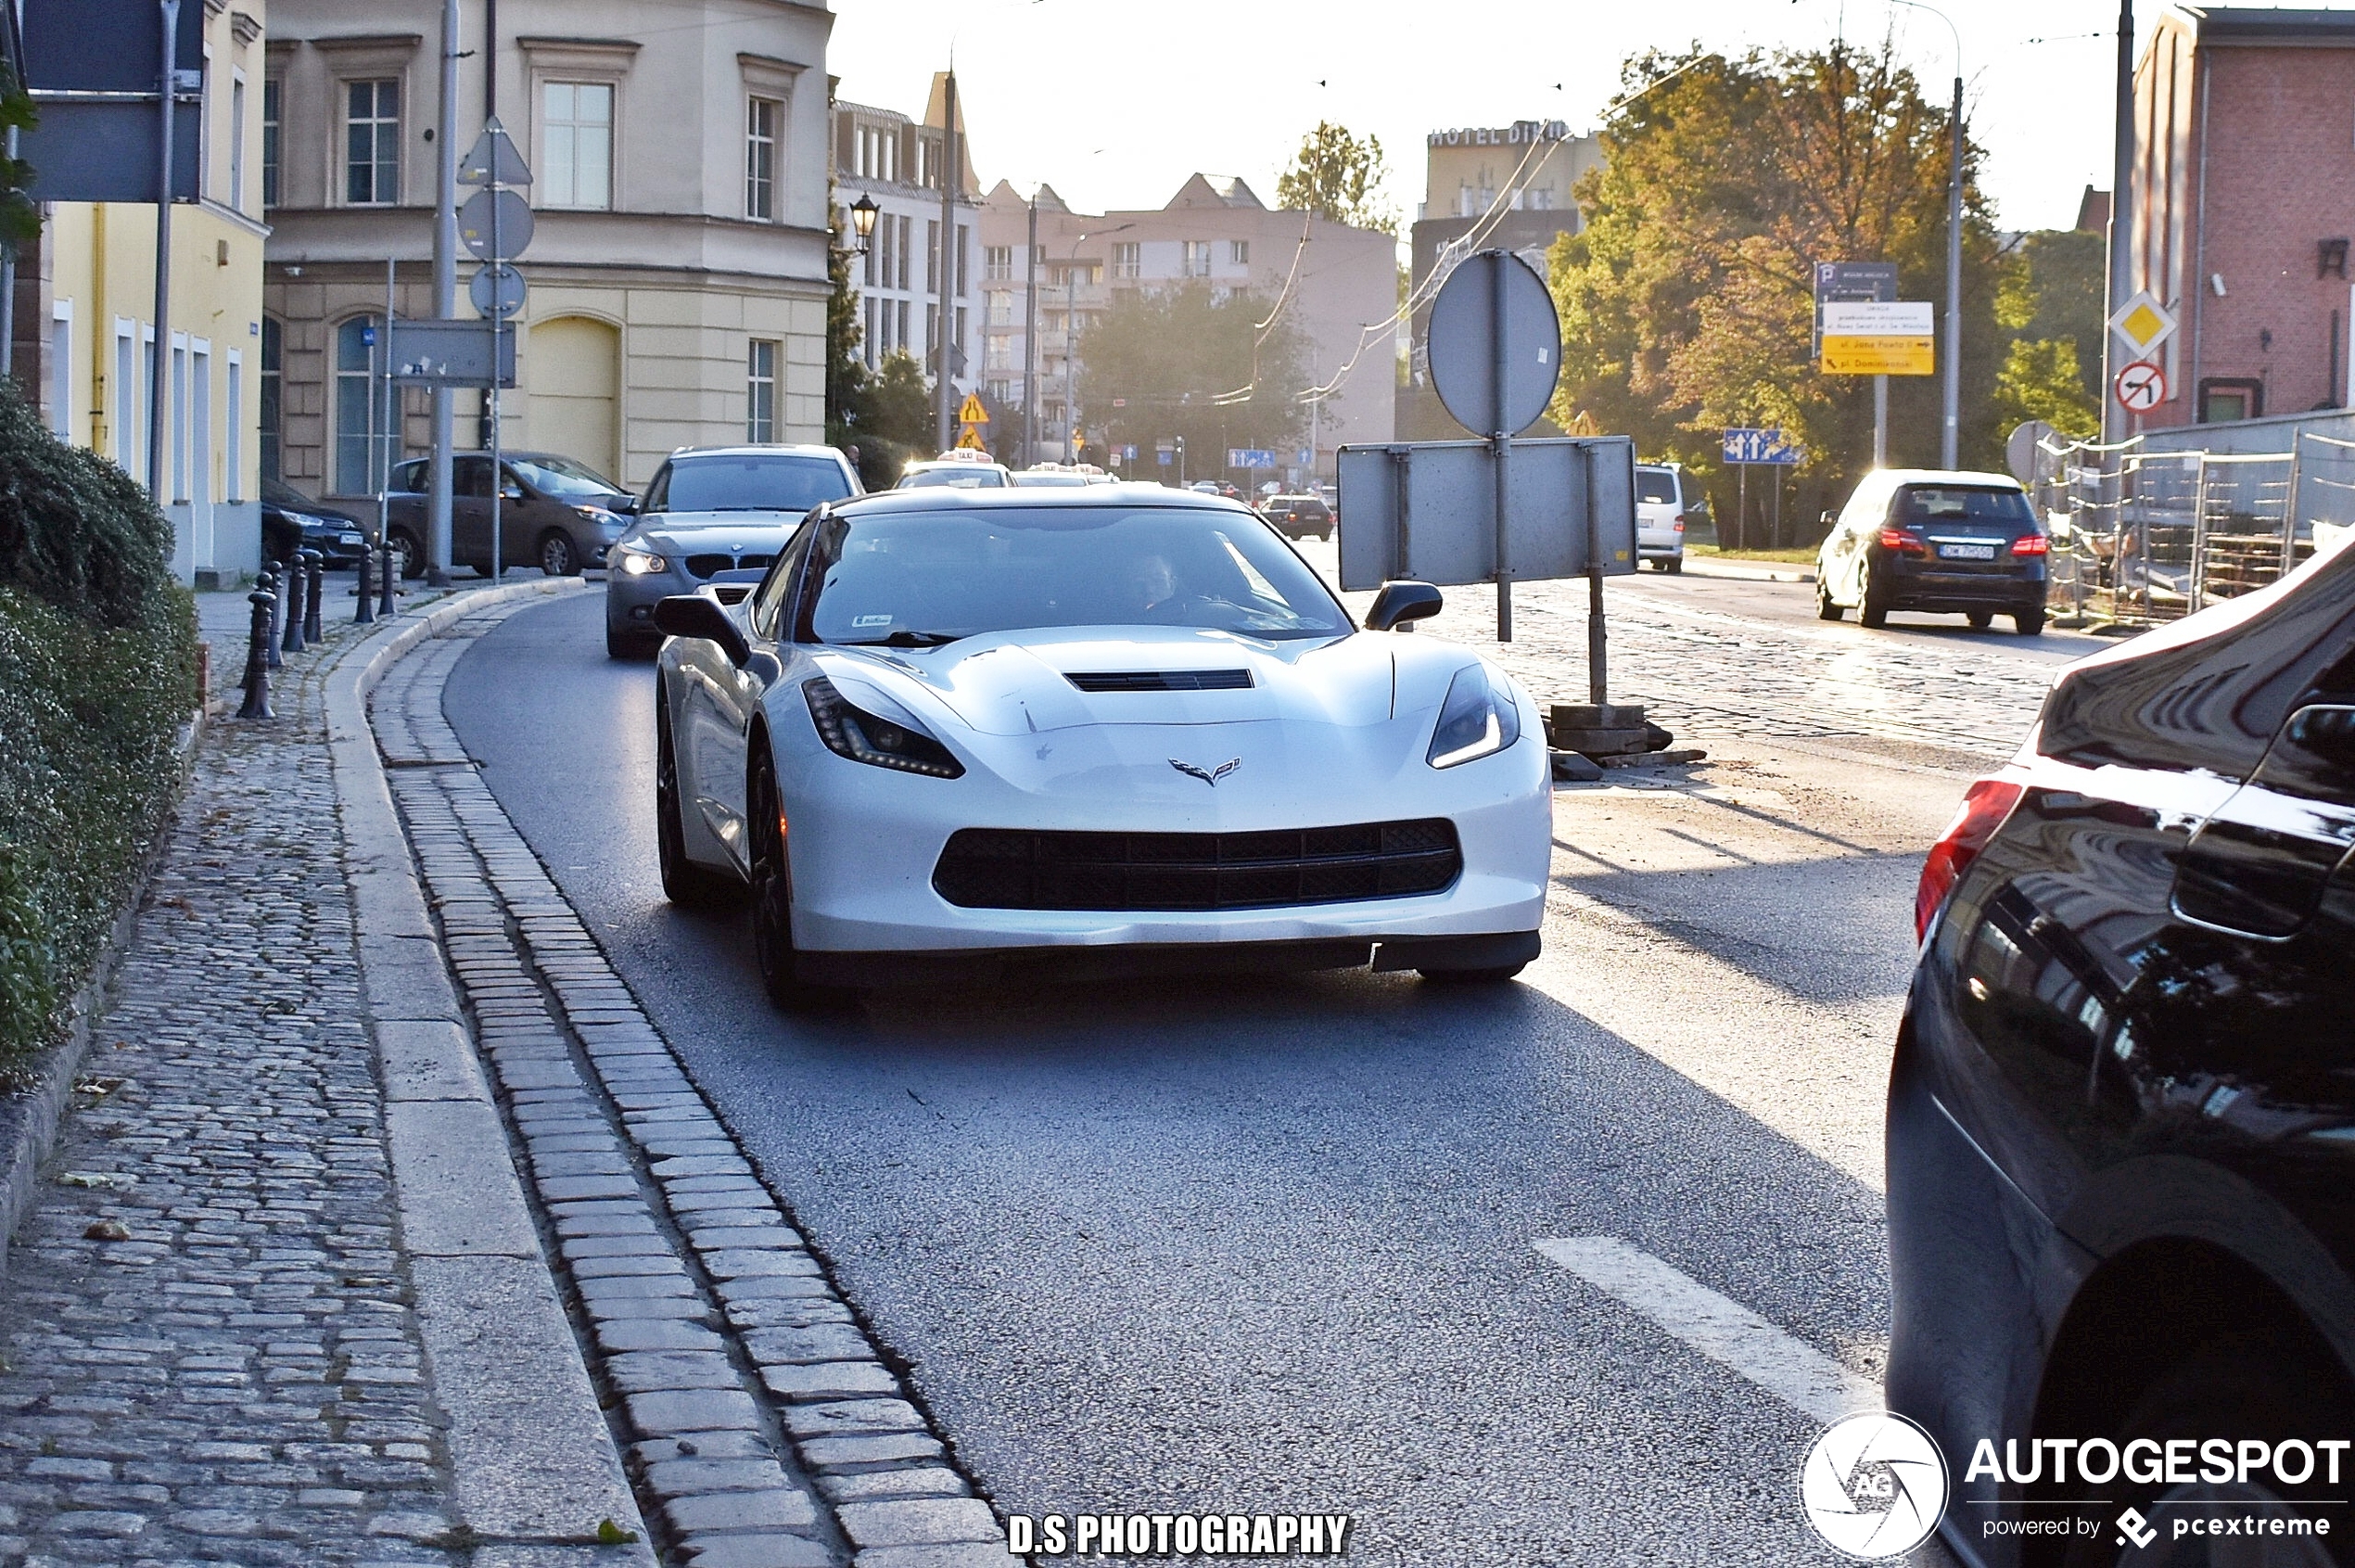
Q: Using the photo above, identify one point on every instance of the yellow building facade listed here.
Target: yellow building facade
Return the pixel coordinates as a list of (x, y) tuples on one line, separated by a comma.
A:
[(86, 328)]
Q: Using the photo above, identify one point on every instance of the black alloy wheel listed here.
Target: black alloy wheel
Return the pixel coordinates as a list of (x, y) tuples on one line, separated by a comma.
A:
[(772, 943), (689, 885), (2029, 622), (1872, 601), (557, 556), (411, 553)]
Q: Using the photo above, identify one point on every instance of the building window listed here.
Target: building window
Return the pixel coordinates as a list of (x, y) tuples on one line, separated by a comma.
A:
[(179, 415), (237, 141), (126, 360), (355, 407), (579, 121), (931, 255), (273, 97), (1002, 307), (1541, 198), (234, 457), (997, 263), (761, 159), (272, 391), (61, 370), (1001, 392), (760, 392), (1239, 252), (997, 353), (1197, 258), (372, 143), (2224, 398), (964, 272), (907, 244), (1127, 259), (900, 331), (877, 243)]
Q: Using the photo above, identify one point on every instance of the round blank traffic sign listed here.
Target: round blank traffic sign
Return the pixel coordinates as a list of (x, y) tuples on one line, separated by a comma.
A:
[(497, 291), (514, 216), (2141, 386), (1470, 333)]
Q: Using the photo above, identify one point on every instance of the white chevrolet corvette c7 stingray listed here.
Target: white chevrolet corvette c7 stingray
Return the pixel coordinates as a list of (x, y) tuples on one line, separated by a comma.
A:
[(963, 733)]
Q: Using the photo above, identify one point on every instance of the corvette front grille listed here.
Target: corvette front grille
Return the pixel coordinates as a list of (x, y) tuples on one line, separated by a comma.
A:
[(1161, 680), (1014, 869)]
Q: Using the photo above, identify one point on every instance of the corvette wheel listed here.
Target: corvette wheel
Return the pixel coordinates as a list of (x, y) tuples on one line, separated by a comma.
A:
[(689, 885), (772, 903)]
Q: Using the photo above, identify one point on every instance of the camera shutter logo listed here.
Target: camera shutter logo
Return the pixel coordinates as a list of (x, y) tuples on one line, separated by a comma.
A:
[(1874, 1486)]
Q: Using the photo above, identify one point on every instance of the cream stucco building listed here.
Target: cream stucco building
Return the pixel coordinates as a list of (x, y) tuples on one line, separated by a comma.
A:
[(678, 272), (85, 330)]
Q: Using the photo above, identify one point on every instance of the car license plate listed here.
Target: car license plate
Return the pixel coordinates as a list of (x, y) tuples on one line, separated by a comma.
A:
[(349, 539), (1965, 552)]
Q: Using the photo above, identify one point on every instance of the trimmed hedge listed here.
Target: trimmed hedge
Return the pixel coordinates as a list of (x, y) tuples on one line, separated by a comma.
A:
[(98, 671)]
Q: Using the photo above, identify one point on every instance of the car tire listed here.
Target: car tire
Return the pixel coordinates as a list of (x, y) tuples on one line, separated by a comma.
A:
[(631, 645), (1980, 620), (558, 557), (1673, 565), (1827, 607), (412, 551), (2233, 1385), (1495, 977), (1325, 536), (2028, 622), (771, 896), (689, 885), (1872, 604)]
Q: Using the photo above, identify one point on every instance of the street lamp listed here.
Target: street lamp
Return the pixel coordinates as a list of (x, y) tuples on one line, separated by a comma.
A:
[(1950, 435), (862, 222), (1071, 315)]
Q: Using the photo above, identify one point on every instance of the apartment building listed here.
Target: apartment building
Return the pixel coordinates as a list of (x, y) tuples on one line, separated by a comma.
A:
[(1343, 292), (887, 158), (85, 341), (2244, 203), (678, 272)]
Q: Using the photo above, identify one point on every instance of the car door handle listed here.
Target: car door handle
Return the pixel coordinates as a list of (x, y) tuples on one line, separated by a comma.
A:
[(2259, 865)]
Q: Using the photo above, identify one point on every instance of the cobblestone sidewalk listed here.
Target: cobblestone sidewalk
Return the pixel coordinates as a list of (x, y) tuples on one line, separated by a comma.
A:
[(210, 1350)]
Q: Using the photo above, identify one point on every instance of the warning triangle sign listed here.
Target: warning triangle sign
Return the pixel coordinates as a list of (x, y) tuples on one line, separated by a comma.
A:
[(972, 412)]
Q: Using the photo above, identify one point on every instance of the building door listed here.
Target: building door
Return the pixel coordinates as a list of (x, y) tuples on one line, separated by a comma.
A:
[(573, 379)]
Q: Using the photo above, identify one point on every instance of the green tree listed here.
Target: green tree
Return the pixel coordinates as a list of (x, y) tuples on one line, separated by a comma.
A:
[(2053, 286), (1185, 361), (1337, 175), (1687, 299), (2040, 379)]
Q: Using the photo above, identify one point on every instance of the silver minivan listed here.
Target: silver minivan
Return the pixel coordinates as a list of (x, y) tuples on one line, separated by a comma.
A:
[(1666, 497)]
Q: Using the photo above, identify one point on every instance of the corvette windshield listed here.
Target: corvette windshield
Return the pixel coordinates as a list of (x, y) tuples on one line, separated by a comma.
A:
[(917, 579)]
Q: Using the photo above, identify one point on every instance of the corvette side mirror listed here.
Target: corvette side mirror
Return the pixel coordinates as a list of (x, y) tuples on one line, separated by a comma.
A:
[(691, 614), (1401, 602)]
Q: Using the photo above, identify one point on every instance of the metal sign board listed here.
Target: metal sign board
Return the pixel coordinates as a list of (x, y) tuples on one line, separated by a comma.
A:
[(1886, 318), (2142, 322), (971, 412), (1427, 510), (104, 149), (449, 353), (1761, 446), (1842, 281), (493, 161), (498, 291), (1878, 337), (1479, 343), (1250, 457), (2141, 387), (514, 224), (106, 46)]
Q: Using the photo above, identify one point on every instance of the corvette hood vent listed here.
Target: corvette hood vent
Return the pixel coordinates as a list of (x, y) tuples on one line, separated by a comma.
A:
[(1161, 680)]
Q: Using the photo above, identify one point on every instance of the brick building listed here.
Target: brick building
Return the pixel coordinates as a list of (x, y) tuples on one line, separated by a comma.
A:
[(2243, 205)]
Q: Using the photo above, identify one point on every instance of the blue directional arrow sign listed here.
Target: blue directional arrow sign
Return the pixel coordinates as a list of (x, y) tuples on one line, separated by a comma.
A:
[(1761, 446)]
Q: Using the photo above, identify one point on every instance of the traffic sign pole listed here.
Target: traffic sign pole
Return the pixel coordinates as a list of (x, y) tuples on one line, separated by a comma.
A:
[(1498, 261)]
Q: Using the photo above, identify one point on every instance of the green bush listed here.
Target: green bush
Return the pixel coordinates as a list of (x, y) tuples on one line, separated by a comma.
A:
[(97, 670)]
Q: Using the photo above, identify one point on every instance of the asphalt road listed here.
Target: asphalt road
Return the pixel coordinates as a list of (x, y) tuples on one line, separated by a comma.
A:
[(1267, 1245)]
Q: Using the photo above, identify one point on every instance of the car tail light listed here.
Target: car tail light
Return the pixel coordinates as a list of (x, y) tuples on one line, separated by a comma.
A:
[(1899, 540), (1985, 804), (2031, 545), (1680, 525)]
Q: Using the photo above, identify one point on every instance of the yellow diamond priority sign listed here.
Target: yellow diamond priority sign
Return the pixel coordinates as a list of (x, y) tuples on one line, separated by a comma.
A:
[(2142, 322)]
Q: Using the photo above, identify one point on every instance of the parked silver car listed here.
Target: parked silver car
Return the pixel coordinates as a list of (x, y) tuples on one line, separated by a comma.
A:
[(712, 510)]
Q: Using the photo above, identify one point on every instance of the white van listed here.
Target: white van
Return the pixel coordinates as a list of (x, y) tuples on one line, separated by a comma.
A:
[(1666, 497)]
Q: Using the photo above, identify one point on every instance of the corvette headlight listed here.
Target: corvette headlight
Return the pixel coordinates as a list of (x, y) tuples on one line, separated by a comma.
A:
[(895, 741), (638, 562), (1479, 718)]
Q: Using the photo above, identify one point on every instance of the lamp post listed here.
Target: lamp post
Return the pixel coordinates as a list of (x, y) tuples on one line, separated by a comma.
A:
[(1950, 433), (862, 222), (1071, 334)]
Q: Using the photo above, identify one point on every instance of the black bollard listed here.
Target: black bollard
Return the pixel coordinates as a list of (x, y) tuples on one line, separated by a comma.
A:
[(366, 592), (314, 615), (387, 606), (290, 596), (258, 650), (270, 583)]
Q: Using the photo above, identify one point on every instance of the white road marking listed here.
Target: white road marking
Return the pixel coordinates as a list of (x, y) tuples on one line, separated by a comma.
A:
[(1720, 1328)]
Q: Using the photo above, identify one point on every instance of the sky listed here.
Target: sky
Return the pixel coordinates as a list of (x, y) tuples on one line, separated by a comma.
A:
[(1115, 106)]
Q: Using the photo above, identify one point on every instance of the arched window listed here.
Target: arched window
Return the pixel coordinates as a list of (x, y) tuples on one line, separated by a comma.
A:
[(359, 408)]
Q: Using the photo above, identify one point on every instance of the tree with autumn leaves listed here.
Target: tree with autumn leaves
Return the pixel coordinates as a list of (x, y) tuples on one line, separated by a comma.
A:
[(1688, 298)]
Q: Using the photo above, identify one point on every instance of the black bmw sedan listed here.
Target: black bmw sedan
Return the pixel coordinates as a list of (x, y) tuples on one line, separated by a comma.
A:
[(2121, 1117)]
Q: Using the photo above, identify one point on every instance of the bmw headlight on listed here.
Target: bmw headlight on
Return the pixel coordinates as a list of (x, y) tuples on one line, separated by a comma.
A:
[(894, 738), (638, 561), (1478, 719)]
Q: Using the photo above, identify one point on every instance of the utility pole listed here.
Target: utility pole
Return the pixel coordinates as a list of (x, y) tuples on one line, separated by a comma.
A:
[(1030, 342), (1950, 441), (944, 399), (445, 297), (2121, 212), (168, 99)]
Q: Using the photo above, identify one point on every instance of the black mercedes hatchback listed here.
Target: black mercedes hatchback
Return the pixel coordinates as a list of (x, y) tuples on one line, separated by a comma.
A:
[(2122, 1116), (1926, 539)]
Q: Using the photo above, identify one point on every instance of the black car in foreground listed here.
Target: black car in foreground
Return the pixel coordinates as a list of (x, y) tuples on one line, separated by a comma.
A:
[(2122, 1116), (1938, 540), (291, 520)]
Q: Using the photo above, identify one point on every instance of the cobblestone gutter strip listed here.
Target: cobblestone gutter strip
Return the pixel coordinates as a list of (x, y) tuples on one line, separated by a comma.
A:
[(535, 1470), (770, 1431), (29, 1119)]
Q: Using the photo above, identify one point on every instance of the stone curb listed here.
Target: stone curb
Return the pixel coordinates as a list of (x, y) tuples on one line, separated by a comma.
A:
[(772, 1432), (31, 1129), (534, 1465), (1746, 571)]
